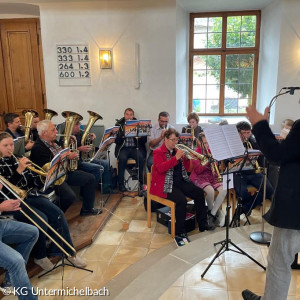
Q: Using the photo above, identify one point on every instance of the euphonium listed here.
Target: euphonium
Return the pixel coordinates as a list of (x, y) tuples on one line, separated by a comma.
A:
[(86, 137), (20, 195), (191, 154), (71, 119), (213, 165), (49, 114), (29, 115)]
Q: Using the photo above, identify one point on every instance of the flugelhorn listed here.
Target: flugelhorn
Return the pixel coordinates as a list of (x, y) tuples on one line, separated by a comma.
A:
[(29, 115), (42, 171), (20, 195), (213, 164), (191, 154), (86, 140), (49, 114)]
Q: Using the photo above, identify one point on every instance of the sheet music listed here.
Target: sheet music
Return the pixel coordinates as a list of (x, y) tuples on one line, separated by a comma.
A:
[(224, 141)]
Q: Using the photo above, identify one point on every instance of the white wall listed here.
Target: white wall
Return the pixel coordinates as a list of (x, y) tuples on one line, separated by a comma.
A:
[(117, 25)]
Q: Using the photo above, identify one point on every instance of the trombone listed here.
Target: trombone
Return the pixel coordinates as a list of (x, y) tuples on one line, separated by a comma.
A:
[(20, 195)]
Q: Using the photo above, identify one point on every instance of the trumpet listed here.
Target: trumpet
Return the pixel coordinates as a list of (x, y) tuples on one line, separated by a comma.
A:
[(20, 195), (258, 169), (191, 154), (42, 171), (213, 165)]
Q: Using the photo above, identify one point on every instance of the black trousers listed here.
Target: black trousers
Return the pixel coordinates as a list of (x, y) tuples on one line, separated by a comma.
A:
[(87, 184), (178, 195)]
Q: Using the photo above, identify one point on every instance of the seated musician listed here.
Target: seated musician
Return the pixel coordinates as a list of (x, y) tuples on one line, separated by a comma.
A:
[(127, 148), (44, 149), (206, 178), (13, 127), (249, 178), (23, 236), (97, 166), (193, 127), (170, 180), (17, 173)]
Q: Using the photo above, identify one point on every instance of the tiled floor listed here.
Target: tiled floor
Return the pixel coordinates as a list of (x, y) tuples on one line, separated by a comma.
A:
[(115, 249)]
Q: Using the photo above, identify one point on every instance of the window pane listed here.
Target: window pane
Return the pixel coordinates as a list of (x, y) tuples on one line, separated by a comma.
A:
[(198, 106), (200, 41), (231, 106), (199, 77), (242, 104), (213, 91), (212, 106), (248, 39), (233, 40), (248, 23), (234, 24), (199, 91), (213, 76), (207, 33)]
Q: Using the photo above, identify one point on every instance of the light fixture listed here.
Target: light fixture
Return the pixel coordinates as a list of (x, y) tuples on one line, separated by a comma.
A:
[(105, 58)]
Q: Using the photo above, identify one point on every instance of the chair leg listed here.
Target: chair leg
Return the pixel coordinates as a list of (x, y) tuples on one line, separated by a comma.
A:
[(173, 221), (148, 211)]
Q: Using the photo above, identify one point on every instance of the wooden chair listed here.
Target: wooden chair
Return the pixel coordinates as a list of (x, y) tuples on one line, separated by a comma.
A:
[(163, 201)]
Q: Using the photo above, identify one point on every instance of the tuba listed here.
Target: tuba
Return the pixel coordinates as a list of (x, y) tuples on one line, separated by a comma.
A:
[(191, 154), (49, 114), (29, 115), (69, 140), (86, 137)]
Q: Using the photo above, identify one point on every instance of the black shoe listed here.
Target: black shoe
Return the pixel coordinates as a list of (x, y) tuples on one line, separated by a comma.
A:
[(122, 188), (181, 239), (248, 295), (90, 212), (185, 237), (211, 221), (206, 227)]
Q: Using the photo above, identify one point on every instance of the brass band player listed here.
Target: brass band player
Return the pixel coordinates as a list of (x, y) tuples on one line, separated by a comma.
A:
[(193, 127), (17, 173), (44, 149), (244, 179)]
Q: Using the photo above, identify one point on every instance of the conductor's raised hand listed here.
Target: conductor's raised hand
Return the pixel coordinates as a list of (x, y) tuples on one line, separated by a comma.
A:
[(254, 116)]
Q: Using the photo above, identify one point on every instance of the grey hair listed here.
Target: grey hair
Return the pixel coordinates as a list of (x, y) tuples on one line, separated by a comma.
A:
[(43, 126)]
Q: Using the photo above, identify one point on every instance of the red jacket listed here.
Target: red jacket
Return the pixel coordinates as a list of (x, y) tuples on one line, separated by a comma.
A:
[(159, 169)]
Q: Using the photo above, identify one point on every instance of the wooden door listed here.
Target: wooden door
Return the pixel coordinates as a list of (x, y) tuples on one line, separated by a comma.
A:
[(21, 66)]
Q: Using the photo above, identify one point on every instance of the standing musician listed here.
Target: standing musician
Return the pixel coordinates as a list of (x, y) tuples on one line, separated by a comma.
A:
[(13, 127), (127, 148), (156, 137), (170, 180), (13, 260), (44, 149), (97, 166), (285, 207), (206, 178), (16, 172), (241, 181)]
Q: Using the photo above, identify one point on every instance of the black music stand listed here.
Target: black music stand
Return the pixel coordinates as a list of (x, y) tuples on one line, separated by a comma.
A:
[(225, 243), (63, 257)]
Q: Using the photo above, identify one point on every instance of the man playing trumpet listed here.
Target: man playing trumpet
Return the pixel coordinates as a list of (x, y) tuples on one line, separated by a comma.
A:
[(16, 172)]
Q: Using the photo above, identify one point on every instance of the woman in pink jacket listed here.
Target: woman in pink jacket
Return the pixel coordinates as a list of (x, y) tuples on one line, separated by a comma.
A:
[(170, 180), (203, 177)]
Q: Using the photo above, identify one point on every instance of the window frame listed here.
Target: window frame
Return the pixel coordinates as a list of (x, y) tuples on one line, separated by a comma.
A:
[(223, 51)]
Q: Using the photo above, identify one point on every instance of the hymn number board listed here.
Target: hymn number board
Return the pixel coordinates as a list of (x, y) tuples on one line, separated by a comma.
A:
[(73, 62)]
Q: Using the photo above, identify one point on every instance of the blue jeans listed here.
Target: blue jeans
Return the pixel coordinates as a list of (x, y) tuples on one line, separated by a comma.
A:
[(24, 237), (54, 216), (240, 185)]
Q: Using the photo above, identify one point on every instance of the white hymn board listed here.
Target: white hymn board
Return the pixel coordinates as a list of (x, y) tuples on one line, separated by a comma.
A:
[(73, 64)]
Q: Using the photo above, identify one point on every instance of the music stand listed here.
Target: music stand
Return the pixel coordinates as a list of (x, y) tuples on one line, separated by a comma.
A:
[(225, 243), (58, 168)]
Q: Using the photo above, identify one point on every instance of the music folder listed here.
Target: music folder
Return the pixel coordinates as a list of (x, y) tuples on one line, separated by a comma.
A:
[(57, 168)]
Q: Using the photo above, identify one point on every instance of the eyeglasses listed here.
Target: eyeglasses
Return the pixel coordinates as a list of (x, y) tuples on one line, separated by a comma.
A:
[(174, 140)]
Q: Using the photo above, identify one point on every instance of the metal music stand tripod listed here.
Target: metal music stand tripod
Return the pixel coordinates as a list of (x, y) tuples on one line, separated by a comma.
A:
[(227, 242)]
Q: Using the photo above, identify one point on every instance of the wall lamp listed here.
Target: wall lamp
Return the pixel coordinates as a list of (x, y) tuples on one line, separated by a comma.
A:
[(105, 58)]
